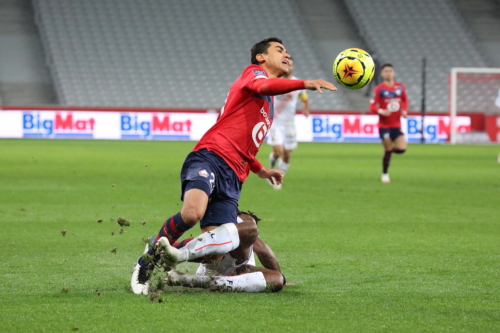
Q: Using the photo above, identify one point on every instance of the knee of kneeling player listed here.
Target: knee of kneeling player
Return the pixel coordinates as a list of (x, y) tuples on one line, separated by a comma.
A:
[(275, 281)]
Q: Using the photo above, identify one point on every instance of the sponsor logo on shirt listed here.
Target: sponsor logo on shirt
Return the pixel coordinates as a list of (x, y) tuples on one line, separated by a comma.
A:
[(203, 173), (266, 118), (259, 133), (393, 106), (257, 72)]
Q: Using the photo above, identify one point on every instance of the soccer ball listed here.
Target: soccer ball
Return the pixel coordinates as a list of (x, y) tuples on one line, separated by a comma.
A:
[(353, 68)]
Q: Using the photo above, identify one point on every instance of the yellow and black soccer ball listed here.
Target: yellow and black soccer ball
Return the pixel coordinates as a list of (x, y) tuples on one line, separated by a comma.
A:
[(353, 68)]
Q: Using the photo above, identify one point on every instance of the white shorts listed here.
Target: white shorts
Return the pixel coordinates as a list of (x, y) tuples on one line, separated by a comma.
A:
[(225, 267), (283, 135)]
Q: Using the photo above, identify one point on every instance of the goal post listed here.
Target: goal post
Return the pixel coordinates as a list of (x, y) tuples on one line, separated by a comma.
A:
[(472, 90)]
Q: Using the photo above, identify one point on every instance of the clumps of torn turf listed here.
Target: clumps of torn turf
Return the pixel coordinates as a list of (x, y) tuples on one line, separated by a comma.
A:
[(157, 285), (143, 222), (63, 232), (64, 290), (99, 221), (113, 250), (122, 222)]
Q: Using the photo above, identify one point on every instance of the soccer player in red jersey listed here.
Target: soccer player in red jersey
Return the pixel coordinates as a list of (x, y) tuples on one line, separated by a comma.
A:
[(390, 102), (213, 173)]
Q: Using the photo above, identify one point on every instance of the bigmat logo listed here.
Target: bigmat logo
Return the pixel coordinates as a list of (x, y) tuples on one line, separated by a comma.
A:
[(50, 124), (347, 128), (436, 129), (155, 126)]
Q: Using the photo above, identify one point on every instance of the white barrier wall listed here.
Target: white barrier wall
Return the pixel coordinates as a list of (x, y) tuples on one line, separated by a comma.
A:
[(53, 124)]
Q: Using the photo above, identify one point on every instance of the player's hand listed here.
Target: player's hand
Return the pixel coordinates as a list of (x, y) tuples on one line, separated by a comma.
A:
[(275, 176), (404, 114), (384, 113), (318, 84), (306, 113)]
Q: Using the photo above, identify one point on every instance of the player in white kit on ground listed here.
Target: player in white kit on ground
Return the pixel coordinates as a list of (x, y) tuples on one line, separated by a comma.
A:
[(283, 136), (236, 271)]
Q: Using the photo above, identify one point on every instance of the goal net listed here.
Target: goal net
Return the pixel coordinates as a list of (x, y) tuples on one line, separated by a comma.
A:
[(473, 91)]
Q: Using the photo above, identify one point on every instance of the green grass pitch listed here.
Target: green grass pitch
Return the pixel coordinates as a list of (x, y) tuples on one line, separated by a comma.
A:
[(421, 254)]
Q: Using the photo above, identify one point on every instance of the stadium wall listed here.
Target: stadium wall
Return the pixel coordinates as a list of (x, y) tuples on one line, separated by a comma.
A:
[(191, 124)]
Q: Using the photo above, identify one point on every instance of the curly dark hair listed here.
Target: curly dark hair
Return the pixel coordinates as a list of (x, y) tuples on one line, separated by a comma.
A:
[(251, 214)]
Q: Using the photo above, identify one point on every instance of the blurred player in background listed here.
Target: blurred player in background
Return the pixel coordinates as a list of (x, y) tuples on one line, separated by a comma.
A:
[(283, 136), (390, 102), (213, 173)]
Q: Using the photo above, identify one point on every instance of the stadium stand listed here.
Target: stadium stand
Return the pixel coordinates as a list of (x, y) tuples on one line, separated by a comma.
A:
[(332, 30), (166, 53), (24, 76), (404, 31)]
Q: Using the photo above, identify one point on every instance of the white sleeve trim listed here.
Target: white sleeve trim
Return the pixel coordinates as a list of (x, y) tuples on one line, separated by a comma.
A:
[(260, 77)]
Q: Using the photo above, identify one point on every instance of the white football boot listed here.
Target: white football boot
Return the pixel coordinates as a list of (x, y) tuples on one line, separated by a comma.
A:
[(169, 255), (141, 275), (385, 178)]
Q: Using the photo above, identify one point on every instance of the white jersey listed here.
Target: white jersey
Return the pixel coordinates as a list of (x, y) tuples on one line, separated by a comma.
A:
[(286, 105)]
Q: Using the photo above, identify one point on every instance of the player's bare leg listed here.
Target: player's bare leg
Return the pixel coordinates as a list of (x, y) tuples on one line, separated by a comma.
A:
[(275, 156), (399, 145), (194, 206)]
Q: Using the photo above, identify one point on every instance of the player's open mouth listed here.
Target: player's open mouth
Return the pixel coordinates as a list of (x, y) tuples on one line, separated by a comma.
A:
[(285, 62)]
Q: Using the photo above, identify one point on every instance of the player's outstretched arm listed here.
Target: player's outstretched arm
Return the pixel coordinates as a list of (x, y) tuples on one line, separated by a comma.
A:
[(266, 256), (275, 86), (319, 85)]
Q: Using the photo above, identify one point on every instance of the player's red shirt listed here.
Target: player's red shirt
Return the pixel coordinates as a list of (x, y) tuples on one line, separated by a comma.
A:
[(392, 98), (245, 119)]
